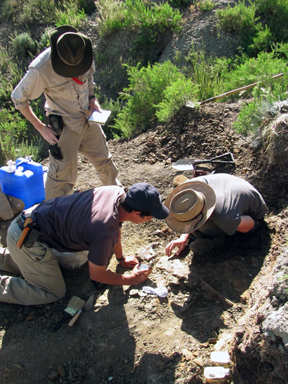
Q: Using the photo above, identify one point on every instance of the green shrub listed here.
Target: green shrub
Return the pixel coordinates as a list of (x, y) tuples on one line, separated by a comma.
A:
[(10, 75), (27, 12), (144, 94), (207, 74), (23, 45), (240, 19), (206, 5), (116, 15), (260, 24), (69, 14), (275, 14), (252, 70), (14, 138), (115, 107), (175, 96), (266, 93), (261, 42)]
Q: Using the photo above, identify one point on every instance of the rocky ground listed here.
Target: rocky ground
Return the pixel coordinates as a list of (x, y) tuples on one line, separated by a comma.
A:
[(218, 301), (228, 300)]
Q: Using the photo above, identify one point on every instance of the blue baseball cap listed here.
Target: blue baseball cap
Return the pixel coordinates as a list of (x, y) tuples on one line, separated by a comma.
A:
[(146, 198)]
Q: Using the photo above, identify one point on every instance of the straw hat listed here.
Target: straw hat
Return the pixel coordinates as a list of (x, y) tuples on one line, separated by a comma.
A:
[(71, 51), (190, 205)]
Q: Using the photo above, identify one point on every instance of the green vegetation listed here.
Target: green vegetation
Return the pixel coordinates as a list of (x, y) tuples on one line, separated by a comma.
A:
[(147, 19), (261, 24), (154, 90), (116, 15)]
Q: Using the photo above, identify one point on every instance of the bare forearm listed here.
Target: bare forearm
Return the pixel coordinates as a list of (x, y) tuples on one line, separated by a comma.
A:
[(45, 131), (32, 118), (103, 275), (112, 278)]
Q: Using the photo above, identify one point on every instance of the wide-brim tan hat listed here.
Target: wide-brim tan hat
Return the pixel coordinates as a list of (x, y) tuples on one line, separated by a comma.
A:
[(71, 51), (190, 205)]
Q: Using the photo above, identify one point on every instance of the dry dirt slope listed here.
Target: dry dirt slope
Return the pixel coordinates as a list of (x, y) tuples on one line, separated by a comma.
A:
[(131, 337)]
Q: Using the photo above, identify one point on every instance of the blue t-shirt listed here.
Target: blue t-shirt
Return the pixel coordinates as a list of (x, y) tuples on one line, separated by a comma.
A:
[(82, 221)]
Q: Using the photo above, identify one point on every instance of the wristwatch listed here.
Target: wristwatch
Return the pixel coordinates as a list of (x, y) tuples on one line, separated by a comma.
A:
[(92, 97)]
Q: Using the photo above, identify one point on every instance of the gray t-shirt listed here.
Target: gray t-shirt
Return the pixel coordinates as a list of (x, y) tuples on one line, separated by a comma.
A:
[(82, 221), (234, 197)]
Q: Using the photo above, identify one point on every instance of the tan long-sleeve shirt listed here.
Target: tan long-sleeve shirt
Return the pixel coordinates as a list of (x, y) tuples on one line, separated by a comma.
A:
[(64, 96)]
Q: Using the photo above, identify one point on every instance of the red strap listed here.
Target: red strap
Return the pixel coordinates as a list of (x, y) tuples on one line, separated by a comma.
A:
[(77, 80)]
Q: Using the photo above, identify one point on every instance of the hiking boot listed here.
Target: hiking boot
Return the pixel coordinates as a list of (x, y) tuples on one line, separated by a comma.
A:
[(204, 245)]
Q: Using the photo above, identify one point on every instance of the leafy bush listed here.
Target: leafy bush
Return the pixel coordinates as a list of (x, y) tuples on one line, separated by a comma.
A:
[(115, 107), (69, 14), (267, 92), (240, 19), (145, 93), (23, 45), (206, 5), (28, 12), (206, 74), (15, 140), (174, 97), (10, 75), (116, 15), (275, 14), (252, 70), (260, 24)]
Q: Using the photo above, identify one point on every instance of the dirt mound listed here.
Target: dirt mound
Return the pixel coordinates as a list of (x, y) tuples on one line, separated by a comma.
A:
[(133, 337)]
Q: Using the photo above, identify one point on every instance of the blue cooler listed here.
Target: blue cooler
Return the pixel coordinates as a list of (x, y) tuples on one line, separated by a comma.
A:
[(23, 181)]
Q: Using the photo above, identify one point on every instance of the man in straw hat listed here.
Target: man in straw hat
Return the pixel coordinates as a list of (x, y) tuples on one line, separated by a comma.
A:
[(89, 220), (211, 207), (64, 73)]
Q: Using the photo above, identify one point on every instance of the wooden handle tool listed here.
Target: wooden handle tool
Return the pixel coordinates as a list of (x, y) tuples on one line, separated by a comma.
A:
[(74, 318)]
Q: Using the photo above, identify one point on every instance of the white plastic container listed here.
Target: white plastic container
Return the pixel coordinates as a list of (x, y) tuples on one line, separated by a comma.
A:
[(220, 358), (215, 374)]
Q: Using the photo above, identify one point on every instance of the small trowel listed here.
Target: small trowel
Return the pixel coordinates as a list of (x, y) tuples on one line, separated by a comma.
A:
[(88, 305), (189, 164)]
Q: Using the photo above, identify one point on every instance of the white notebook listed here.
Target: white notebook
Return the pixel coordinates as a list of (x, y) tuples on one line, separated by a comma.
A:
[(98, 117)]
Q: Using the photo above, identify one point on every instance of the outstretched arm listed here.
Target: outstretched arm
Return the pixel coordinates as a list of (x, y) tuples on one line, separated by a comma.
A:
[(103, 275)]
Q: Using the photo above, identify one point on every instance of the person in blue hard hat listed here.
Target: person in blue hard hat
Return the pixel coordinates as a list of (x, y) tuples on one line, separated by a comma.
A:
[(89, 220)]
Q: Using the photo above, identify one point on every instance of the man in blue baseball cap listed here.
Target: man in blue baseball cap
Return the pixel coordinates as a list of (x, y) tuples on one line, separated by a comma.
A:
[(89, 220)]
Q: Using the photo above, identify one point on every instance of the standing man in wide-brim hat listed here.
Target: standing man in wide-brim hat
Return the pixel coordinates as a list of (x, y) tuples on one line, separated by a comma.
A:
[(64, 73), (208, 208)]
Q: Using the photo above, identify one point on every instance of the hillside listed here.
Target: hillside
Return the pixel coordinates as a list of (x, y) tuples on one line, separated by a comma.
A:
[(226, 300)]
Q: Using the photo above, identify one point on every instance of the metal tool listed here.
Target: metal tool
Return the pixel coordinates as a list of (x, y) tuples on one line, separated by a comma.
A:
[(189, 164)]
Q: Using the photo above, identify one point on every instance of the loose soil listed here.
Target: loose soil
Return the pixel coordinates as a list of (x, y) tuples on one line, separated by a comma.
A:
[(132, 337)]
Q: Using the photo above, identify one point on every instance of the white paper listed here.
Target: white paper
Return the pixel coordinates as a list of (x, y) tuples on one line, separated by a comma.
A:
[(98, 117)]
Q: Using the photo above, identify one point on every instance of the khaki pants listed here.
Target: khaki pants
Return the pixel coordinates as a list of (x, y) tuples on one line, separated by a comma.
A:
[(42, 280), (91, 142)]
